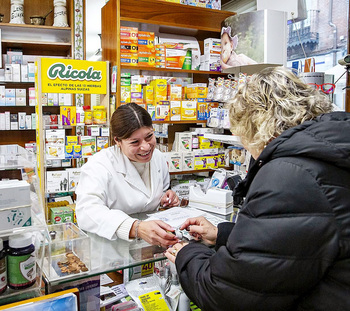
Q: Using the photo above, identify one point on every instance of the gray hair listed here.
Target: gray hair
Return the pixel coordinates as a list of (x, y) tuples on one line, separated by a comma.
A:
[(271, 102)]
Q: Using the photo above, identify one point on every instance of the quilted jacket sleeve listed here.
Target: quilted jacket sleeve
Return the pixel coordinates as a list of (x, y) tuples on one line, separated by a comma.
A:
[(283, 242)]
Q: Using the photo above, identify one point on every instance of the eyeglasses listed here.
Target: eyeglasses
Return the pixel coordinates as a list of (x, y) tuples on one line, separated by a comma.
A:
[(327, 88)]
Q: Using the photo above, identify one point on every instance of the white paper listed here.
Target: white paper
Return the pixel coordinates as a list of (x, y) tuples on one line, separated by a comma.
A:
[(105, 279)]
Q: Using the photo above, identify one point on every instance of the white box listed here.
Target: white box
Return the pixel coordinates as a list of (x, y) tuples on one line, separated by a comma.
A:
[(267, 44), (14, 121), (33, 115), (73, 178), (21, 120), (175, 110), (2, 95), (184, 141), (31, 72), (20, 92), (188, 161), (2, 121), (7, 120), (14, 193), (28, 125), (105, 131), (10, 92), (174, 160), (20, 101), (16, 72), (31, 92), (24, 73), (10, 101), (56, 181), (212, 45)]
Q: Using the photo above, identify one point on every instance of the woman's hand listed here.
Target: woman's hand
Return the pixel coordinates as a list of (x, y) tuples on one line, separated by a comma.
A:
[(169, 199), (155, 232), (172, 251), (201, 229)]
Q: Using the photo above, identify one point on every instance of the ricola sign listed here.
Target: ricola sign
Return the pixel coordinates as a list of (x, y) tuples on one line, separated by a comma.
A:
[(64, 72), (73, 76)]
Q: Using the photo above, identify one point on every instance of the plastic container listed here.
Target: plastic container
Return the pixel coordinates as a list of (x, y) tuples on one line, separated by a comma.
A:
[(21, 263), (3, 272), (87, 115), (99, 115)]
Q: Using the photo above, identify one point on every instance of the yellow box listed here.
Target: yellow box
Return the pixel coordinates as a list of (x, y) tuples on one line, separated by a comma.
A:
[(196, 92), (188, 110), (68, 151), (71, 140), (162, 111), (159, 89), (136, 88), (68, 115), (148, 94), (125, 94), (212, 158), (175, 110), (200, 159)]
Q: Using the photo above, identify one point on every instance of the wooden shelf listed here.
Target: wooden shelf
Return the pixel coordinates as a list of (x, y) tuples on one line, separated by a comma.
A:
[(172, 14), (180, 122), (171, 70), (35, 48), (29, 26)]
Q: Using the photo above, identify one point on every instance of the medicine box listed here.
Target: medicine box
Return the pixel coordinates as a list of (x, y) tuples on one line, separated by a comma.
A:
[(188, 110), (174, 160), (73, 178), (188, 161), (14, 193), (56, 181), (175, 110), (184, 140), (61, 214)]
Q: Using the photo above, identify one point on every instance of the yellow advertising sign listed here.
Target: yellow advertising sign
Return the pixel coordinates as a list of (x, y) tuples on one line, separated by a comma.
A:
[(73, 76)]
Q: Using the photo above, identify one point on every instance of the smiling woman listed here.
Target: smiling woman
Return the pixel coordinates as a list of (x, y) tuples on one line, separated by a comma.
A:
[(130, 177)]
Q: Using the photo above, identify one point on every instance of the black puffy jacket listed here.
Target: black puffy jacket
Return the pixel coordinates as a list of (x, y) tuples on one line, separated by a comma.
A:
[(290, 246)]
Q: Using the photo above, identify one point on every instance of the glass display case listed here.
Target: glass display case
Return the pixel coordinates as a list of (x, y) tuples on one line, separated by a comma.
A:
[(68, 252), (23, 231)]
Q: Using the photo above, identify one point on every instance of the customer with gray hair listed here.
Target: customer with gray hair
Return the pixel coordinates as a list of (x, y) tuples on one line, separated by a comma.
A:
[(290, 246)]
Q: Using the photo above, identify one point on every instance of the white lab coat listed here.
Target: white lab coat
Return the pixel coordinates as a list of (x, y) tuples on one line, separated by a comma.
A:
[(110, 189)]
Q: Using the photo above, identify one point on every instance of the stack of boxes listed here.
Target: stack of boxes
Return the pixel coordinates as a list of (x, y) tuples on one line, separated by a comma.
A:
[(191, 151), (128, 45), (146, 50)]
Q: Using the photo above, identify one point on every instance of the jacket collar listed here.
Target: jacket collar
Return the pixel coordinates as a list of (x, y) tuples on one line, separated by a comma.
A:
[(130, 173)]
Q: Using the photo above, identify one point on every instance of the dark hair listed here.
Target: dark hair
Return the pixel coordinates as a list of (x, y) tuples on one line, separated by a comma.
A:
[(127, 119)]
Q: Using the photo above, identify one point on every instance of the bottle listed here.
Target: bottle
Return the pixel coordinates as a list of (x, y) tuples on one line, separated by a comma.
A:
[(60, 13), (3, 278), (17, 13), (87, 115), (21, 265), (99, 115)]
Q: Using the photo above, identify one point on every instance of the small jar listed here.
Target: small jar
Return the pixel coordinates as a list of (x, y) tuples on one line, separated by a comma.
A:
[(60, 13), (17, 13), (99, 115), (3, 272), (21, 263), (87, 115)]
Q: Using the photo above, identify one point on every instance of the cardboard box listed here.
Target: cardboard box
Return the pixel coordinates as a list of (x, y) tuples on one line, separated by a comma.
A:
[(188, 161), (68, 115), (175, 110), (188, 110), (73, 178), (56, 181), (174, 160), (14, 193)]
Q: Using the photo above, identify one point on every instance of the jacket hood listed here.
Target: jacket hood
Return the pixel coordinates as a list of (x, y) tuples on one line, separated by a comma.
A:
[(326, 138)]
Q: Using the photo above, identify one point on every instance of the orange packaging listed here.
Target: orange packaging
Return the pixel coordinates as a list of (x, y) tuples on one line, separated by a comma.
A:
[(146, 38), (128, 33), (128, 46)]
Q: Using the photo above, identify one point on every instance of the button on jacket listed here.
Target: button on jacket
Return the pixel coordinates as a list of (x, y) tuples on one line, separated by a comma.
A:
[(290, 246), (110, 189)]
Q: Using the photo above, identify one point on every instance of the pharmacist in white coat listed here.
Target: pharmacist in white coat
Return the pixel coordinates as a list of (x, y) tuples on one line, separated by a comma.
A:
[(127, 178)]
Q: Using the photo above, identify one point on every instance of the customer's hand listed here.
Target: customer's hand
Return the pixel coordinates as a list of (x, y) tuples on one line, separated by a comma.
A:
[(169, 199), (155, 232), (172, 251), (201, 229)]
